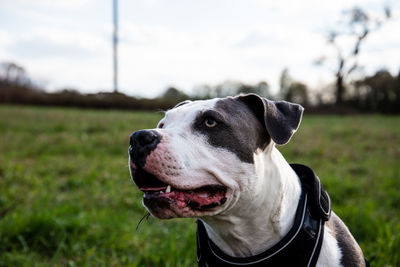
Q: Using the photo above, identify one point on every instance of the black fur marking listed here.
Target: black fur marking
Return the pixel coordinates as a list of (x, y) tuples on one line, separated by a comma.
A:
[(351, 252), (280, 118), (237, 129)]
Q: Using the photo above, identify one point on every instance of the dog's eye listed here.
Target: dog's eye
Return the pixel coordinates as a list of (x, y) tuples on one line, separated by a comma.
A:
[(209, 122), (161, 125)]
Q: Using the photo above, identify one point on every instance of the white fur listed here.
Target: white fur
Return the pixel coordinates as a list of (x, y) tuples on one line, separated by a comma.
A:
[(238, 231), (330, 254)]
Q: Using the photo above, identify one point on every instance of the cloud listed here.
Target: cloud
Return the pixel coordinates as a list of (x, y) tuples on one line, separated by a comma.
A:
[(50, 3), (164, 56), (6, 41), (134, 34), (252, 39), (6, 38), (45, 49), (61, 58), (61, 72), (180, 43), (58, 42)]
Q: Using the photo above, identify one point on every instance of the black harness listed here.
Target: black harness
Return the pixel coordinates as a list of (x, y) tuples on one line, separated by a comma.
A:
[(301, 245)]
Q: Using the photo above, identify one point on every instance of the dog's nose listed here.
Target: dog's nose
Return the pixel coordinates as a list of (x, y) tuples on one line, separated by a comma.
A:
[(142, 143), (143, 138)]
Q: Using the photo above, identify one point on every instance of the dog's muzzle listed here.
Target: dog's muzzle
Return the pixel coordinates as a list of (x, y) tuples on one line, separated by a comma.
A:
[(161, 196)]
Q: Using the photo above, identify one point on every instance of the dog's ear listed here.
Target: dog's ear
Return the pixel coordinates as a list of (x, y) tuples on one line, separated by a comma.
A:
[(280, 118)]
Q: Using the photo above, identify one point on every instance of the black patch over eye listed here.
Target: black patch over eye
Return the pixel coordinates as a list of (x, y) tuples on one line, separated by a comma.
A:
[(208, 120)]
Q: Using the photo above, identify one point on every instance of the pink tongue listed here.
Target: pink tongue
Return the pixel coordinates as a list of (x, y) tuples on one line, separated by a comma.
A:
[(202, 198)]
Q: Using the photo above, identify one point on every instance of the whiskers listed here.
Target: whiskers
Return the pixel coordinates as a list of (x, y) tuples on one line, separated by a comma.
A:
[(146, 216)]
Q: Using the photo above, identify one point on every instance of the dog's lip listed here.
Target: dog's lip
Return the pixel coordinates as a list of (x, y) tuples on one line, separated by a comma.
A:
[(199, 197), (146, 181), (154, 184), (209, 188), (153, 189), (202, 198)]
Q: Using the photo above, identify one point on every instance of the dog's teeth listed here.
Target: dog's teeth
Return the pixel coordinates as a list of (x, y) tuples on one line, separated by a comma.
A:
[(168, 190), (203, 195)]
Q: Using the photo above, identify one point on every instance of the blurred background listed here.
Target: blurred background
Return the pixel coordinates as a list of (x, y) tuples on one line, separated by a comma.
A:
[(78, 76), (316, 53)]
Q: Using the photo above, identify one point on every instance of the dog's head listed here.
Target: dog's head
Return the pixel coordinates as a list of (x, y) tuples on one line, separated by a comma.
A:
[(201, 158)]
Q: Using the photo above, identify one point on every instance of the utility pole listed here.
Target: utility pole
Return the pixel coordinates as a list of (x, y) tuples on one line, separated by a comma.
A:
[(115, 44)]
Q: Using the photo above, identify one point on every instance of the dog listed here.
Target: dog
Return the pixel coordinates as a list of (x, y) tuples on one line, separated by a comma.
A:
[(216, 160)]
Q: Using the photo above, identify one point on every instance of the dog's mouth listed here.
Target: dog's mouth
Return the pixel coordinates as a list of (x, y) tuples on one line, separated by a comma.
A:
[(203, 198)]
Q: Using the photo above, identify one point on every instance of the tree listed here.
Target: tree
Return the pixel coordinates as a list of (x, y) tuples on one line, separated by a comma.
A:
[(261, 88), (297, 93), (284, 83), (203, 91), (358, 25), (227, 88), (291, 90), (231, 88), (13, 74), (379, 92), (171, 93)]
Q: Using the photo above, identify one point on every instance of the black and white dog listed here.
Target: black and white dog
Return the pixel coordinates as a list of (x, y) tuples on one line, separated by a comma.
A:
[(216, 160)]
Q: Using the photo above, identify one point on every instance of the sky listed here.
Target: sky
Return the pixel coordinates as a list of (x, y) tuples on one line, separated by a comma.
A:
[(185, 43)]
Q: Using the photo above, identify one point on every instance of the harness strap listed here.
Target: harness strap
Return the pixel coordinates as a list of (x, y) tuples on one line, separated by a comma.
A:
[(300, 247), (320, 203)]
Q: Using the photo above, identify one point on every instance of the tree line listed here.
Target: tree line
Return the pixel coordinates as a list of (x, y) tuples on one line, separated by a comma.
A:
[(377, 93)]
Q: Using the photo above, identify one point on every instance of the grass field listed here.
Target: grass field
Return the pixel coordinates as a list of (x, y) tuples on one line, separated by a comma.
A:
[(66, 198)]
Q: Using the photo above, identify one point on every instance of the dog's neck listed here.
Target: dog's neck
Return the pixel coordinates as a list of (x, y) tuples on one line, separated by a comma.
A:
[(264, 213)]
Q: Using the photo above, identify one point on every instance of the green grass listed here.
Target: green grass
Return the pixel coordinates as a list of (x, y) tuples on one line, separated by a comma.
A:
[(66, 198)]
